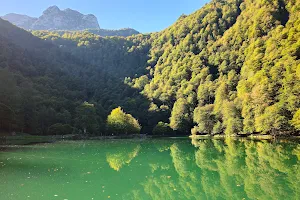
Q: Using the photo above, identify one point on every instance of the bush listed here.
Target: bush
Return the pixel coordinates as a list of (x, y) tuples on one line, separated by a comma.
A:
[(118, 122)]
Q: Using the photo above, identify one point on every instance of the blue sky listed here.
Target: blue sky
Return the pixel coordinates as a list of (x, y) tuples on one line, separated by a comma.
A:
[(143, 15)]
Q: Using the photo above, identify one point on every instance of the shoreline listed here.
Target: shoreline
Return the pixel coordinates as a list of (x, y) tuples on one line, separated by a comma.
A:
[(249, 137), (53, 138)]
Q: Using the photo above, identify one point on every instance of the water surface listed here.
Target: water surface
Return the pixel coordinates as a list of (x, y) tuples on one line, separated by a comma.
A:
[(159, 169)]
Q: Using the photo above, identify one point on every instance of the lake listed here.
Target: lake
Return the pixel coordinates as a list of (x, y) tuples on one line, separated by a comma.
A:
[(159, 169)]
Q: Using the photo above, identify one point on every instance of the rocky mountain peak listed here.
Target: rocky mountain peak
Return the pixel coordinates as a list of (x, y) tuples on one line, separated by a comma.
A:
[(51, 10), (54, 18)]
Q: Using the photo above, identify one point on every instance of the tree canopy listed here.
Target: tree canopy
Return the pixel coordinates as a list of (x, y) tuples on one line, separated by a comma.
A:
[(231, 67), (118, 123)]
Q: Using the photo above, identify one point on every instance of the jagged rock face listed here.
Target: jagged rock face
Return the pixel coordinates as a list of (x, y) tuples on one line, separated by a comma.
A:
[(55, 19), (65, 20), (22, 21)]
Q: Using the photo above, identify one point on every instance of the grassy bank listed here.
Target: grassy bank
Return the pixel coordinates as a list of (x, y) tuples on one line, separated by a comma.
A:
[(21, 139)]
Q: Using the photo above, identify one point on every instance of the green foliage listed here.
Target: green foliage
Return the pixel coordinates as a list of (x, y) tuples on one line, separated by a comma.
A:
[(141, 82), (240, 56), (118, 123), (217, 128), (162, 129), (272, 120), (60, 129), (205, 119), (86, 119), (231, 67), (121, 32), (231, 118), (8, 100), (296, 120), (180, 117)]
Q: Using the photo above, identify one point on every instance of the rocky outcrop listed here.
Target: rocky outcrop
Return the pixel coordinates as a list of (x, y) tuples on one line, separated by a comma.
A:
[(55, 19)]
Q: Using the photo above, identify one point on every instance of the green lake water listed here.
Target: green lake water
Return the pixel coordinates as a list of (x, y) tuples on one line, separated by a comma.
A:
[(159, 169)]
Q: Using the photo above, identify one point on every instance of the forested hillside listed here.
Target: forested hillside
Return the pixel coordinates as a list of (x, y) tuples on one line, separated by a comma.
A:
[(43, 88), (124, 32), (36, 89), (231, 67)]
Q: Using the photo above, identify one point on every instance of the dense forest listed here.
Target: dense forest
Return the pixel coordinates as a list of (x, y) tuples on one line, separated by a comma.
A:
[(231, 67), (124, 32)]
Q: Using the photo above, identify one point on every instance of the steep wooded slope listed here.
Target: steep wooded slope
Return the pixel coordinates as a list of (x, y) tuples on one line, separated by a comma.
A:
[(44, 85), (231, 67)]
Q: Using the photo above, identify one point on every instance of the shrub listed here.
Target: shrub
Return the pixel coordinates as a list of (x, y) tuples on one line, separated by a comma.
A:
[(118, 122)]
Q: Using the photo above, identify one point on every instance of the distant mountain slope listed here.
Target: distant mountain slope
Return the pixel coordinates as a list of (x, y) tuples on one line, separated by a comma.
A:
[(55, 19), (22, 21), (21, 37)]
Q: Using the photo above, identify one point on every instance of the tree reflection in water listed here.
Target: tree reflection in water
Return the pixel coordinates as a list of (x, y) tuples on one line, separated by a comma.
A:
[(228, 169), (121, 156), (156, 169)]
